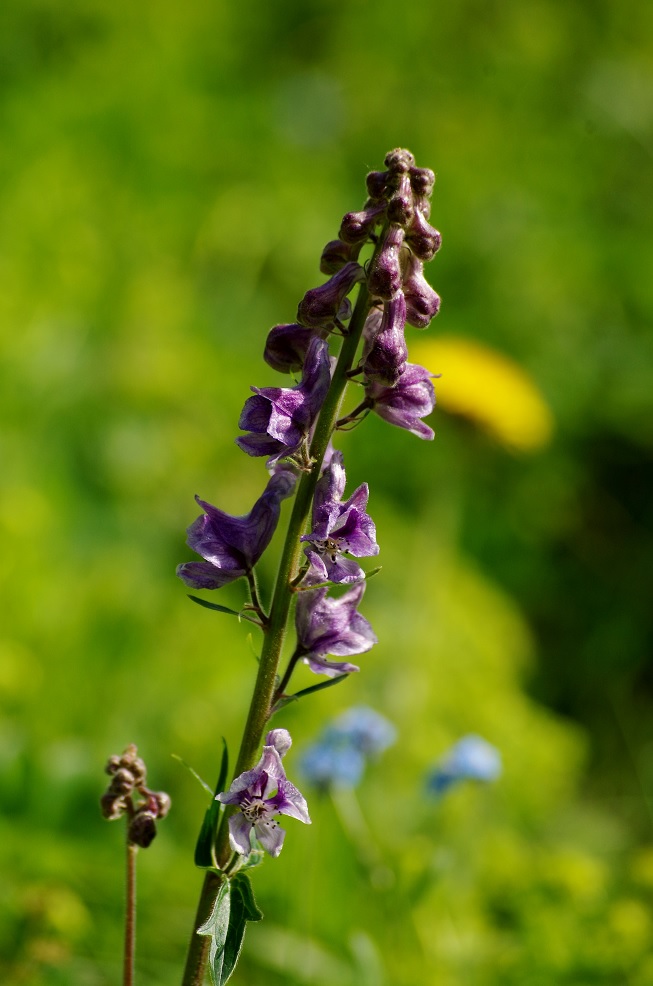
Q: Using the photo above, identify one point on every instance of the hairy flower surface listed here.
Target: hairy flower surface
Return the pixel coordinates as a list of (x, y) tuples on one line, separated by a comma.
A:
[(338, 527), (387, 355), (279, 418), (231, 546), (327, 625), (405, 404), (261, 794)]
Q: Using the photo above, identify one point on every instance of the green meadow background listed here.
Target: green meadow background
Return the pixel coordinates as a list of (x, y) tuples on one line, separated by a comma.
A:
[(169, 173)]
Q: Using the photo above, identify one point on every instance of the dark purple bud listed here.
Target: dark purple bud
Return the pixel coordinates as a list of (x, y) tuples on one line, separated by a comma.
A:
[(319, 307), (357, 226), (400, 203), (286, 347), (231, 546), (112, 807), (399, 160), (161, 803), (112, 764), (142, 828), (335, 255), (423, 240), (422, 181), (280, 419), (422, 302), (384, 278), (376, 184), (122, 782), (371, 329), (387, 358), (405, 404)]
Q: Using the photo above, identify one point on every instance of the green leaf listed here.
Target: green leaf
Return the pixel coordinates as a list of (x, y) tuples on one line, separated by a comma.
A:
[(197, 777), (233, 908), (224, 609), (217, 929), (242, 883), (286, 699), (206, 838)]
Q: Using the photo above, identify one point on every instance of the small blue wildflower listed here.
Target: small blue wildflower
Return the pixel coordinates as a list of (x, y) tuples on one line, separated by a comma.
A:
[(339, 755), (471, 758)]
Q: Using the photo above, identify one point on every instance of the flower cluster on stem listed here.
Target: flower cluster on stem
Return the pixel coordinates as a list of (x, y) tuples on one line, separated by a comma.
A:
[(292, 427)]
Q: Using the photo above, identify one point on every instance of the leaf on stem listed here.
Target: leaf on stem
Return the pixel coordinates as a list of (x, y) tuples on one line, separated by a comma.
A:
[(206, 839), (234, 907), (284, 700), (225, 609)]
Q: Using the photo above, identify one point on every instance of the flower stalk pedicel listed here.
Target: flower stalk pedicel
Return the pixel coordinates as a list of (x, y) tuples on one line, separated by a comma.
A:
[(293, 427)]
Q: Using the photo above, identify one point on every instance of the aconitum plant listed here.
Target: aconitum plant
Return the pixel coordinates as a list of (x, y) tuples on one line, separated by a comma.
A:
[(336, 342)]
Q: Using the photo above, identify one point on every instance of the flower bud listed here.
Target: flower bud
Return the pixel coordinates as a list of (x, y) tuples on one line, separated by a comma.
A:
[(335, 255), (112, 807), (422, 302), (142, 828), (320, 306), (122, 782), (160, 803), (422, 181), (357, 226), (400, 203), (399, 160), (386, 360), (376, 184), (423, 240), (384, 278), (286, 347)]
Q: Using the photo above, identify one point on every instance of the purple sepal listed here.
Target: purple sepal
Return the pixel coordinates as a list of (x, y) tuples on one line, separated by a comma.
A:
[(422, 238), (400, 204), (376, 184), (286, 347), (332, 626), (280, 418), (384, 278), (357, 226), (335, 255), (320, 306), (411, 399), (387, 357), (231, 546), (261, 794), (338, 527), (399, 160), (422, 302), (422, 181)]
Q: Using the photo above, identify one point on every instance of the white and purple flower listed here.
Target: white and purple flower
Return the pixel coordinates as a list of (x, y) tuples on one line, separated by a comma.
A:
[(261, 794), (328, 625), (338, 527)]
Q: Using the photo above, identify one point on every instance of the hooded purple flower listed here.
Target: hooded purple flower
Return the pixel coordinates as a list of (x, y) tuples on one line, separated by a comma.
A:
[(286, 347), (408, 402), (338, 527), (231, 546), (279, 418), (262, 793), (387, 354), (320, 307), (331, 626)]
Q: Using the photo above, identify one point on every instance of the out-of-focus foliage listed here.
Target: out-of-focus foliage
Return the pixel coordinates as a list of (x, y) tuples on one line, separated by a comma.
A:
[(168, 176)]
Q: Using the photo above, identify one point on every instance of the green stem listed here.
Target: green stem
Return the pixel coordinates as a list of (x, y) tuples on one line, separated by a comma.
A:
[(261, 703)]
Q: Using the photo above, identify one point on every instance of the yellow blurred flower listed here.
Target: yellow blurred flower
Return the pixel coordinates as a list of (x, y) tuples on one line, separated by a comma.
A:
[(488, 388)]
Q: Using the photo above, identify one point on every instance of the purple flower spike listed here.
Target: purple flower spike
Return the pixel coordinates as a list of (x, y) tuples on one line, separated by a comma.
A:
[(386, 360), (280, 418), (338, 527), (384, 279), (332, 626), (231, 546), (261, 794), (404, 405), (286, 347), (422, 302), (320, 306)]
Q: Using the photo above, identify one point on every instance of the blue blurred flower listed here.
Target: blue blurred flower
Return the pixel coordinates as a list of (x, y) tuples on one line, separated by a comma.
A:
[(339, 755), (471, 758)]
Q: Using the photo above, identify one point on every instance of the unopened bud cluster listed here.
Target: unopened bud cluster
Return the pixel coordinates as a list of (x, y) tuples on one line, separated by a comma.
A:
[(128, 795)]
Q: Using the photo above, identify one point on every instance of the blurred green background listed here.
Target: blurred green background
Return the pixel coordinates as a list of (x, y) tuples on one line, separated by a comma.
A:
[(169, 173)]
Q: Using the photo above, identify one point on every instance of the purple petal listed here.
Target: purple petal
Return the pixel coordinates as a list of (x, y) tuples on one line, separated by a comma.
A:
[(204, 575), (239, 833), (270, 835), (332, 669)]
